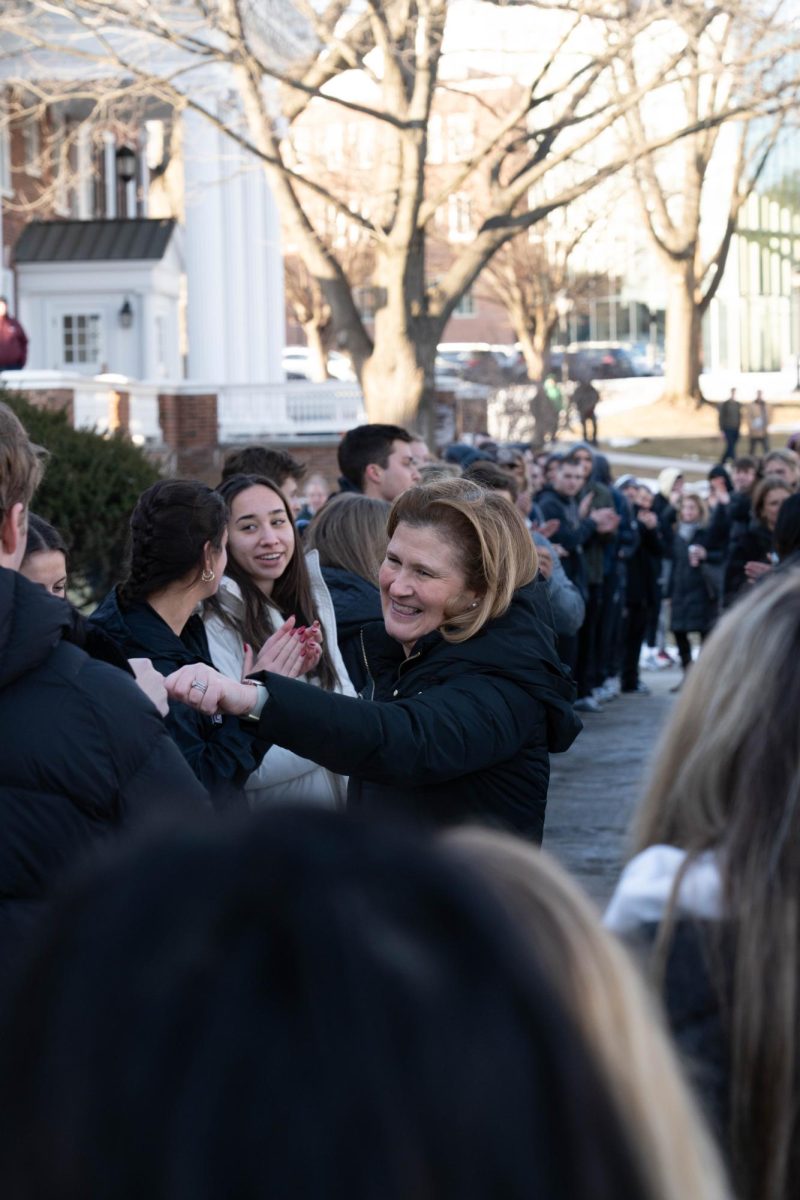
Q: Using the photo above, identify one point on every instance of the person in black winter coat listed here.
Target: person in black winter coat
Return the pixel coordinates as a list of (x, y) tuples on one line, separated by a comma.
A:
[(469, 694), (643, 568), (178, 538), (349, 534), (692, 587), (84, 751), (751, 553)]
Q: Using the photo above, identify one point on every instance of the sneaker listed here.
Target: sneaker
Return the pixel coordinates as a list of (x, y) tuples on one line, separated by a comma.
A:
[(641, 689), (612, 685), (587, 704), (648, 660), (664, 659), (603, 694)]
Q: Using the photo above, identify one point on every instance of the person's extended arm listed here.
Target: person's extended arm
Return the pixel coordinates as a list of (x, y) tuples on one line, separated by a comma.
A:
[(442, 733)]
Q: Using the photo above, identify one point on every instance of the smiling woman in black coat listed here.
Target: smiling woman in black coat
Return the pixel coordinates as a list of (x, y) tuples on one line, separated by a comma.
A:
[(469, 694)]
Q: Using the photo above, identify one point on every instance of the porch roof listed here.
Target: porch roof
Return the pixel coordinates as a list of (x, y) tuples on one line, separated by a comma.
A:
[(94, 241)]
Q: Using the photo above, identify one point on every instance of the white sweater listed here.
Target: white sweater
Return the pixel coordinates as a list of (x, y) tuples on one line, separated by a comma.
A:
[(282, 775)]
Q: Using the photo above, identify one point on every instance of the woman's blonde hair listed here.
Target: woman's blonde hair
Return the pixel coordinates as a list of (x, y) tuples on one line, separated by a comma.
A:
[(489, 536), (697, 499), (727, 778), (603, 993), (349, 532)]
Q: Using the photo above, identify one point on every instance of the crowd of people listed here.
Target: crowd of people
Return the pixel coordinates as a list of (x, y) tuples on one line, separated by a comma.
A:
[(274, 918)]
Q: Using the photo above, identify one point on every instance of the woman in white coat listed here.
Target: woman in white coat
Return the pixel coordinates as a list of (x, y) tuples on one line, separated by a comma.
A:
[(267, 580)]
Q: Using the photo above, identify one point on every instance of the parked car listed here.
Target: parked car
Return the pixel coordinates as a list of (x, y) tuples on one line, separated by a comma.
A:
[(476, 361), (296, 363)]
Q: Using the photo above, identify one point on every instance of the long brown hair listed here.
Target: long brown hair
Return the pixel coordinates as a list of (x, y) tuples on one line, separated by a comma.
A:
[(727, 779), (291, 593), (349, 532)]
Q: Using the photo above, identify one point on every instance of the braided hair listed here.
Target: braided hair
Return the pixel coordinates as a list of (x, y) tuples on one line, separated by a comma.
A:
[(291, 593), (171, 523)]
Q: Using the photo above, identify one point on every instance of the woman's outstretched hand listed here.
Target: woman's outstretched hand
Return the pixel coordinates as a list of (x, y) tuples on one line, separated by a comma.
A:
[(205, 690)]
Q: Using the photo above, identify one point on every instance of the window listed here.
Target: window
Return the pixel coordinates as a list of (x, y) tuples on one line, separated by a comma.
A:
[(435, 147), (460, 137), (5, 152), (459, 216), (81, 337), (31, 146), (465, 306), (61, 167)]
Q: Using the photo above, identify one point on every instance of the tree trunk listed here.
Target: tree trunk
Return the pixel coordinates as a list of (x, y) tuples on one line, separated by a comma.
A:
[(393, 380), (319, 356), (683, 337)]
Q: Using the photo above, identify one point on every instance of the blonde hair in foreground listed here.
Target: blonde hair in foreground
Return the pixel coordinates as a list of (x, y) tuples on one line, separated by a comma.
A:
[(489, 537), (603, 993), (727, 778)]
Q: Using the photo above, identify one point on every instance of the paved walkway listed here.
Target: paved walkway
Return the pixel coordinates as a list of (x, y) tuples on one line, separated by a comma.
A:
[(595, 786)]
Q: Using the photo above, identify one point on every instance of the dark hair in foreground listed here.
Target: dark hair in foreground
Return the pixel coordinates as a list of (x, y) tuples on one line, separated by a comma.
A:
[(297, 1006), (727, 779), (170, 525), (364, 445), (42, 537), (291, 594)]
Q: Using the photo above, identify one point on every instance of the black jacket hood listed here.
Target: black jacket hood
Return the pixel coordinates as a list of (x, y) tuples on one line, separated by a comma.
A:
[(355, 599), (32, 623)]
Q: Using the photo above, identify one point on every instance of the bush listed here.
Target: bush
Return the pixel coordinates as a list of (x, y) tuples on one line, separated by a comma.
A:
[(90, 486)]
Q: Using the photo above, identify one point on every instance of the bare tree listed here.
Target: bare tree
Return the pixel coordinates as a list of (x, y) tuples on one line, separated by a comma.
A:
[(690, 210), (384, 63), (534, 278)]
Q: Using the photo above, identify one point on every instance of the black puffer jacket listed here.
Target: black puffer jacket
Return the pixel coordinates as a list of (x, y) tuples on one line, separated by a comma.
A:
[(456, 732), (84, 753), (356, 602), (754, 544), (694, 591), (221, 752)]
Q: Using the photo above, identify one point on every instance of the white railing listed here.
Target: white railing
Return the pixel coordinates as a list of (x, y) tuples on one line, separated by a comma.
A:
[(294, 409)]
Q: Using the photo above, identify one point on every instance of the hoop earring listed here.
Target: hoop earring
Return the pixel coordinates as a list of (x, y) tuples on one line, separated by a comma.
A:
[(208, 575)]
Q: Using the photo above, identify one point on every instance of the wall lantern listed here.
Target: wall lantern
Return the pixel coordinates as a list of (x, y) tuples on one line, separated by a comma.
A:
[(125, 315), (125, 159)]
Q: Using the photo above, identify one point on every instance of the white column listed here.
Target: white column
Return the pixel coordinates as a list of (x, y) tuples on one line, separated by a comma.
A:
[(233, 262), (110, 165), (205, 251)]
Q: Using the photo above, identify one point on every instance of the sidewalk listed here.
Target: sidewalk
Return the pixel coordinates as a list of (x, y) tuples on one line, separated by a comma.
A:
[(595, 786)]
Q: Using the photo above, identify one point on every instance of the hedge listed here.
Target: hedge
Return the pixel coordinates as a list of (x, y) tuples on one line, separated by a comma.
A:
[(90, 486)]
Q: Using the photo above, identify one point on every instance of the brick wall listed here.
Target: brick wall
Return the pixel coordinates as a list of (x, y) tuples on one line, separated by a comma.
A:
[(189, 429), (53, 399)]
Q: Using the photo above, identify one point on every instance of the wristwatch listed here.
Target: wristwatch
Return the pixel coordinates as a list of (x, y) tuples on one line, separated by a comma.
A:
[(262, 695)]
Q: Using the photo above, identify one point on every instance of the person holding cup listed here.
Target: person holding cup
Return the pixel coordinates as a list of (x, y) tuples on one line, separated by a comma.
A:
[(693, 587)]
